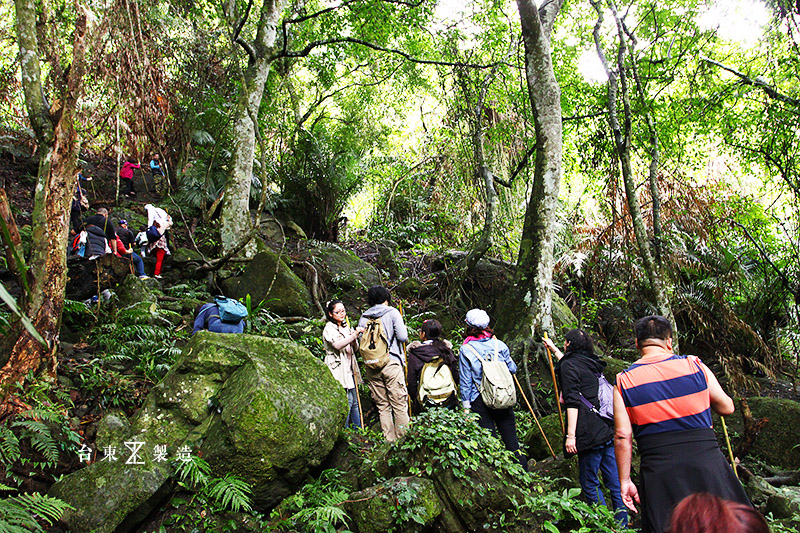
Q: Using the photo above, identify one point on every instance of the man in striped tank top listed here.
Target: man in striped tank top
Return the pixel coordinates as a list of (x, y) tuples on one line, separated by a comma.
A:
[(664, 401)]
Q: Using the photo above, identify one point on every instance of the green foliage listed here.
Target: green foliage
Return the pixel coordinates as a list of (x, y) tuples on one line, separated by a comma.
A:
[(315, 508), (36, 438), (317, 181), (22, 513), (571, 513), (211, 497), (453, 441)]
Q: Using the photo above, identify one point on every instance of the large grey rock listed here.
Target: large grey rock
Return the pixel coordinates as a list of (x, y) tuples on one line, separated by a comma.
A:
[(287, 295), (777, 442), (265, 409)]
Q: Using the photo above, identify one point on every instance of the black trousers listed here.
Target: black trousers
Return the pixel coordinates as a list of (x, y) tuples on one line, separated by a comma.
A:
[(128, 185), (499, 421)]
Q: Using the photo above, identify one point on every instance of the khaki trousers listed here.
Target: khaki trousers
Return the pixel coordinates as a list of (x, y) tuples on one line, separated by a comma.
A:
[(388, 389)]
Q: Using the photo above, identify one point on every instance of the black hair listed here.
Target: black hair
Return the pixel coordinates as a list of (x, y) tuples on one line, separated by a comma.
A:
[(432, 329), (377, 295), (197, 310), (329, 310), (579, 341), (653, 327)]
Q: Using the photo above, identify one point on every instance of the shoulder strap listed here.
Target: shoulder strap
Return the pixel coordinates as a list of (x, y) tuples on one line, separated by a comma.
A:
[(481, 359)]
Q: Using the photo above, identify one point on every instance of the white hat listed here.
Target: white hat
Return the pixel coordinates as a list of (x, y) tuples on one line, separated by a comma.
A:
[(478, 318)]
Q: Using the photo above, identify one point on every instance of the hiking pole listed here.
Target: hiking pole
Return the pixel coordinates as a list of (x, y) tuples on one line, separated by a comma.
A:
[(405, 355), (144, 180), (728, 442), (356, 375), (534, 416), (555, 385)]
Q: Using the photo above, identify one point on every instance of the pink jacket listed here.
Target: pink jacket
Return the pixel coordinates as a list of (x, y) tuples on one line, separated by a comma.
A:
[(126, 172)]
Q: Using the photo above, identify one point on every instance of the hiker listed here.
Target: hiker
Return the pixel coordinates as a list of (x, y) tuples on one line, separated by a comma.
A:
[(126, 173), (159, 223), (207, 316), (703, 512), (588, 434), (157, 246), (665, 401), (79, 205), (341, 343), (155, 167), (480, 346), (125, 247), (141, 240), (382, 351), (430, 348), (101, 238)]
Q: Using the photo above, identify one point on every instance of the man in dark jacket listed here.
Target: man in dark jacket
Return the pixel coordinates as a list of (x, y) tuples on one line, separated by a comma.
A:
[(101, 222), (588, 435)]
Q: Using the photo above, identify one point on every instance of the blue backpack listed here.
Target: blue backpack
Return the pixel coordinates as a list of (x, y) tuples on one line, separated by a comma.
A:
[(230, 311)]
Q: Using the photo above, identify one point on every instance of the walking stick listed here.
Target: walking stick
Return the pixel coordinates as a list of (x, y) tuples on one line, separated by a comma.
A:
[(144, 179), (534, 416), (555, 385), (405, 355), (728, 442), (356, 375)]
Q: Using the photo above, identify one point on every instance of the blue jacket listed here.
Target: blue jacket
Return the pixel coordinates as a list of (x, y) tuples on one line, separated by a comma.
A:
[(470, 369), (208, 318)]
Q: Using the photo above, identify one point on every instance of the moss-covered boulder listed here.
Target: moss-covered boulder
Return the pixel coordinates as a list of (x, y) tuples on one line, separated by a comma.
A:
[(614, 367), (777, 442), (277, 418), (112, 429), (344, 273), (182, 256), (133, 290), (535, 443), (404, 503), (265, 409), (267, 278)]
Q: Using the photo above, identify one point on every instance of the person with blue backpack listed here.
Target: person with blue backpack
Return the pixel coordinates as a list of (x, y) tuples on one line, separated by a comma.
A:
[(588, 398), (223, 315)]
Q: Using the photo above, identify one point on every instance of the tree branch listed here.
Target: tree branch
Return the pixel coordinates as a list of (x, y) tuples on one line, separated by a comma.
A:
[(757, 82), (325, 42)]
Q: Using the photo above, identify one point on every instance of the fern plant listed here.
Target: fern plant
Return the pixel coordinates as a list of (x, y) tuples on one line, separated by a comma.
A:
[(228, 493), (22, 513), (317, 507)]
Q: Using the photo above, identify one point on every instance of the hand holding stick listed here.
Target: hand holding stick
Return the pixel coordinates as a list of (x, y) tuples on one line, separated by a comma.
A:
[(555, 384)]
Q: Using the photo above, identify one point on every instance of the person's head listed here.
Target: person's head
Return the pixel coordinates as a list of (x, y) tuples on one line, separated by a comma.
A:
[(335, 312), (197, 309), (430, 330), (653, 329), (703, 512), (577, 340), (378, 295), (103, 212), (143, 227), (123, 223), (155, 157), (477, 321)]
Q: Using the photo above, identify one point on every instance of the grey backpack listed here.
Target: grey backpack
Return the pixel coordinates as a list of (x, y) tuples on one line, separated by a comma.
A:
[(497, 385)]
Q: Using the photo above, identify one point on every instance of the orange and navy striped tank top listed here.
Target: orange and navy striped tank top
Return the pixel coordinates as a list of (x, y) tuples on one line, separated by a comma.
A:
[(668, 394)]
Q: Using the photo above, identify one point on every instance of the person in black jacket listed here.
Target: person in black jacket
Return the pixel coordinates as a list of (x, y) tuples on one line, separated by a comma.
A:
[(588, 435), (423, 351)]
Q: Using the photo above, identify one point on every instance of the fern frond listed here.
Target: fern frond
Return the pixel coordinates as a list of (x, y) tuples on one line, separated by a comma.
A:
[(231, 492), (42, 506)]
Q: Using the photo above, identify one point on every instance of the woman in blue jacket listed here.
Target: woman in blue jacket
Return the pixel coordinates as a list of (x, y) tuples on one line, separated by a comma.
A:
[(480, 338)]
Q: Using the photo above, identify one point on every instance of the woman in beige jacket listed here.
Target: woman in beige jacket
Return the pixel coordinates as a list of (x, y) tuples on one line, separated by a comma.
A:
[(341, 343)]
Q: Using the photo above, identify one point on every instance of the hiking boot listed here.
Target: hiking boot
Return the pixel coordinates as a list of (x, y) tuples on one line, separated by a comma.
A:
[(157, 276)]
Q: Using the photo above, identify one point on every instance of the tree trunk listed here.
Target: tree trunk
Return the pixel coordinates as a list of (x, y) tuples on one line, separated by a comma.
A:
[(58, 151), (618, 86), (533, 281), (236, 223)]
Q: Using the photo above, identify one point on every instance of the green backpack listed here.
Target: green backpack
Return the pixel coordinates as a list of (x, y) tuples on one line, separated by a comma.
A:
[(373, 345)]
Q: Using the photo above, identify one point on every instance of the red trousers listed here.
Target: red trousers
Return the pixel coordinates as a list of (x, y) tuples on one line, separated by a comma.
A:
[(160, 253)]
